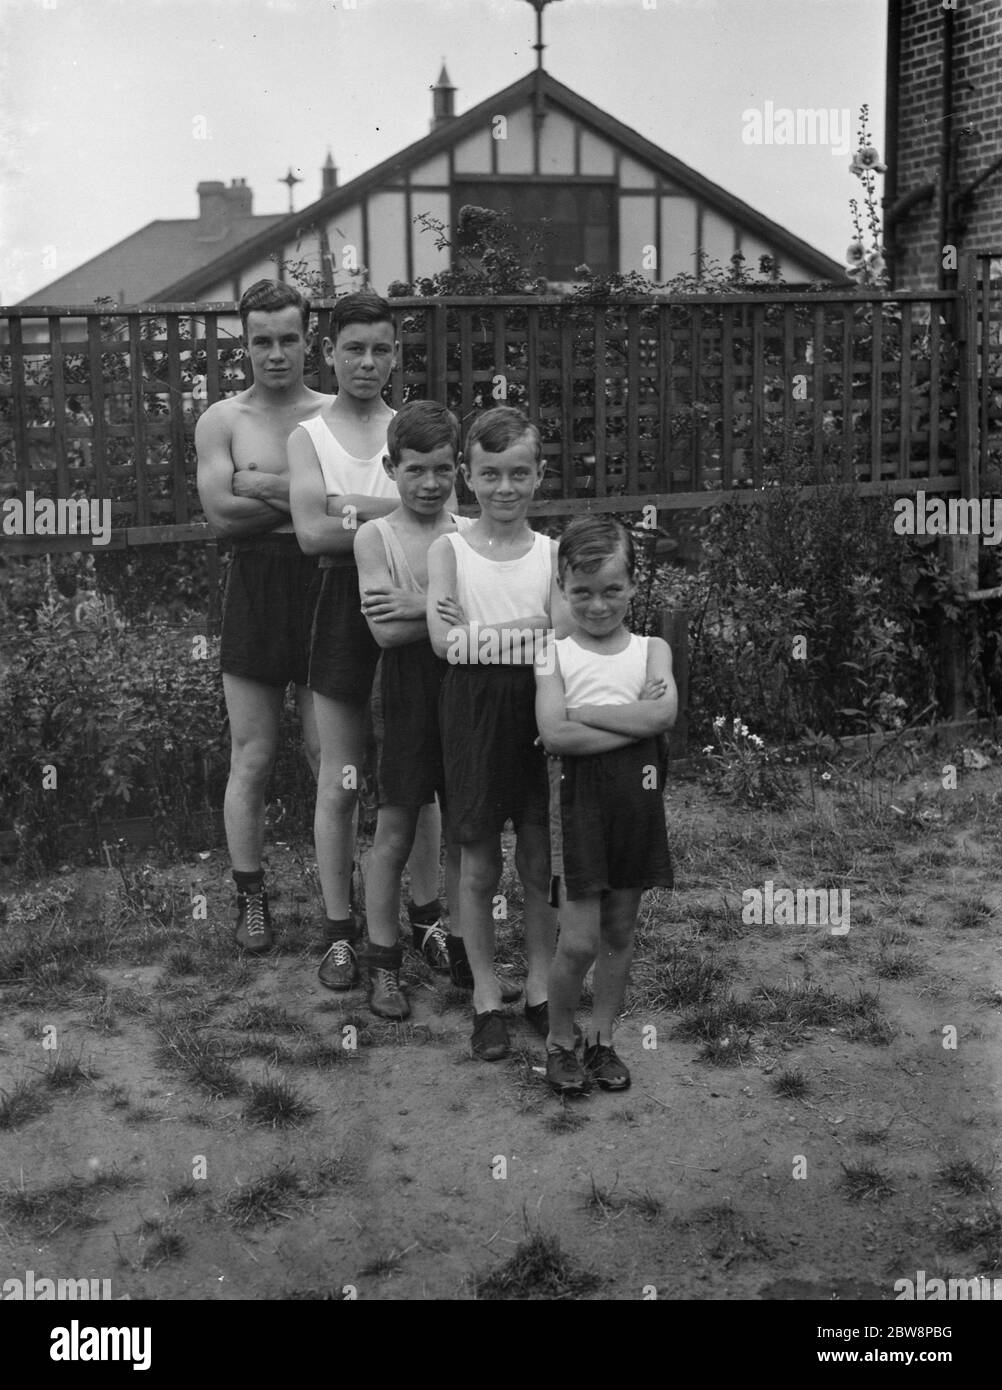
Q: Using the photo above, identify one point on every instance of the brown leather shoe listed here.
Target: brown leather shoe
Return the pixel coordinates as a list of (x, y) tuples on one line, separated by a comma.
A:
[(386, 998), (490, 1040), (339, 967), (253, 930)]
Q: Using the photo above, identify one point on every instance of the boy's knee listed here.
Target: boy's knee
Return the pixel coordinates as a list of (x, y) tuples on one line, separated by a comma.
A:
[(576, 949), (394, 843), (482, 875), (252, 762), (617, 936), (333, 796)]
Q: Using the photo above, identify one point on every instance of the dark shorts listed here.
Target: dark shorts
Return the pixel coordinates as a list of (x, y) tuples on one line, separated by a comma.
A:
[(493, 769), (270, 593), (405, 698), (607, 821), (343, 652)]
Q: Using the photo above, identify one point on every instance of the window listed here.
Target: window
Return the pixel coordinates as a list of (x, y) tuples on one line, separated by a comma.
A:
[(580, 219)]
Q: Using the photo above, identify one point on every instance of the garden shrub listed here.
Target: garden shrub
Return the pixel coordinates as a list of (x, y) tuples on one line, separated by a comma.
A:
[(808, 615)]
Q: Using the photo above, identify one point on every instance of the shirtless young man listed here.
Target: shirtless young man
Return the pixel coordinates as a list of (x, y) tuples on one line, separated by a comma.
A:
[(243, 483), (337, 482)]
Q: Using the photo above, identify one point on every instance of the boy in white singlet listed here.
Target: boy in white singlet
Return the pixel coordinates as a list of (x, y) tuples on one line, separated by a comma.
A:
[(603, 698), (491, 592), (337, 482)]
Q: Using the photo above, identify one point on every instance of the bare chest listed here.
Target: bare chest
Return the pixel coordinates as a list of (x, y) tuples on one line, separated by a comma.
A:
[(259, 438)]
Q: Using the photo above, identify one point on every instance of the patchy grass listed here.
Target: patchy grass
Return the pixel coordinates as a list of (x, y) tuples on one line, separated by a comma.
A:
[(267, 1018), (793, 1084), (723, 1028), (972, 914), (537, 1269), (863, 1181), (68, 1205), (163, 1241), (675, 980), (321, 1053), (872, 1138), (180, 961), (980, 1231), (271, 1049), (65, 1073), (530, 1085), (277, 1104), (280, 1193), (606, 1202), (184, 1048), (101, 1018), (383, 1266), (23, 1102), (896, 965), (964, 1175)]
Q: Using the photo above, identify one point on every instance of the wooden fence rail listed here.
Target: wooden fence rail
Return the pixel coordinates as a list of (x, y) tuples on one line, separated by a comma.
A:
[(675, 401)]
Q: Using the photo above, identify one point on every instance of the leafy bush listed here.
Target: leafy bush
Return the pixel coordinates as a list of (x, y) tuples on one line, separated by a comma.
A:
[(131, 721), (808, 615)]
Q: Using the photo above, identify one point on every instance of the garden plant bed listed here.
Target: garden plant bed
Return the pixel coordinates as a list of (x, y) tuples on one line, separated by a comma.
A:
[(139, 1051)]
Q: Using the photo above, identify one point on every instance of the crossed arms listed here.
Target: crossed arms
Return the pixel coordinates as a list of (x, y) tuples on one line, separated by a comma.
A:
[(601, 728)]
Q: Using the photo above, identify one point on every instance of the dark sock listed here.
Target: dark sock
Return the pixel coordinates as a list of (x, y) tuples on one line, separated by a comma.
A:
[(339, 929), (426, 915), (248, 882), (383, 957)]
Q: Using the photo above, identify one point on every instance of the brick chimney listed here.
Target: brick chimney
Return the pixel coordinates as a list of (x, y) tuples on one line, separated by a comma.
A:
[(328, 175), (219, 207), (443, 96)]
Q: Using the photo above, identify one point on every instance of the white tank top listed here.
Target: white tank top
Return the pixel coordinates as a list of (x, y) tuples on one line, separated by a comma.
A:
[(495, 591), (343, 473), (591, 678)]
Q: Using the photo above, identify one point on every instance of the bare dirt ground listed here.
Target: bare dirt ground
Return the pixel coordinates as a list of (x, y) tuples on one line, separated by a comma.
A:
[(804, 1122)]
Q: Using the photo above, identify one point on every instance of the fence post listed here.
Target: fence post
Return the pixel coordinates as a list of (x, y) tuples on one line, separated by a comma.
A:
[(962, 550), (675, 631)]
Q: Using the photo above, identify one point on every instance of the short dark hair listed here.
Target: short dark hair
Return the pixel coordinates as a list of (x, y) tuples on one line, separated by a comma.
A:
[(361, 307), (498, 429), (266, 296), (590, 541), (422, 426)]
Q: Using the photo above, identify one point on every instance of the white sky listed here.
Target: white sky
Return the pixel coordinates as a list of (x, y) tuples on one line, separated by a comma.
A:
[(100, 99)]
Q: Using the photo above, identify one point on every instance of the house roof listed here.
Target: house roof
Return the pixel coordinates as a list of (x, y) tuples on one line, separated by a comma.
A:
[(135, 270), (289, 227)]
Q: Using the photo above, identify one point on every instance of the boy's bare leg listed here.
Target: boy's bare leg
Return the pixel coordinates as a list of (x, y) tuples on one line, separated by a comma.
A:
[(615, 955), (340, 730), (577, 947), (479, 875), (308, 723), (395, 827), (532, 862), (423, 862), (254, 712)]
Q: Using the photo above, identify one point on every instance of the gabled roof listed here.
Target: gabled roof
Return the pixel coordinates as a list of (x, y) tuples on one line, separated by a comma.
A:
[(134, 270), (458, 128)]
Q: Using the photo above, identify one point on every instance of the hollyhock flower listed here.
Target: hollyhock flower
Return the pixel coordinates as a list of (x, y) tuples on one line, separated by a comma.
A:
[(870, 159)]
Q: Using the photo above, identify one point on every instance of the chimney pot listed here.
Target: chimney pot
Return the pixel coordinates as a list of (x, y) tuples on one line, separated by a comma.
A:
[(443, 96)]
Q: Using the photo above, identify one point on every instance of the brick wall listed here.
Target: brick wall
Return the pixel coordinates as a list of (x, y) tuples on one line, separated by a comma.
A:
[(977, 102)]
